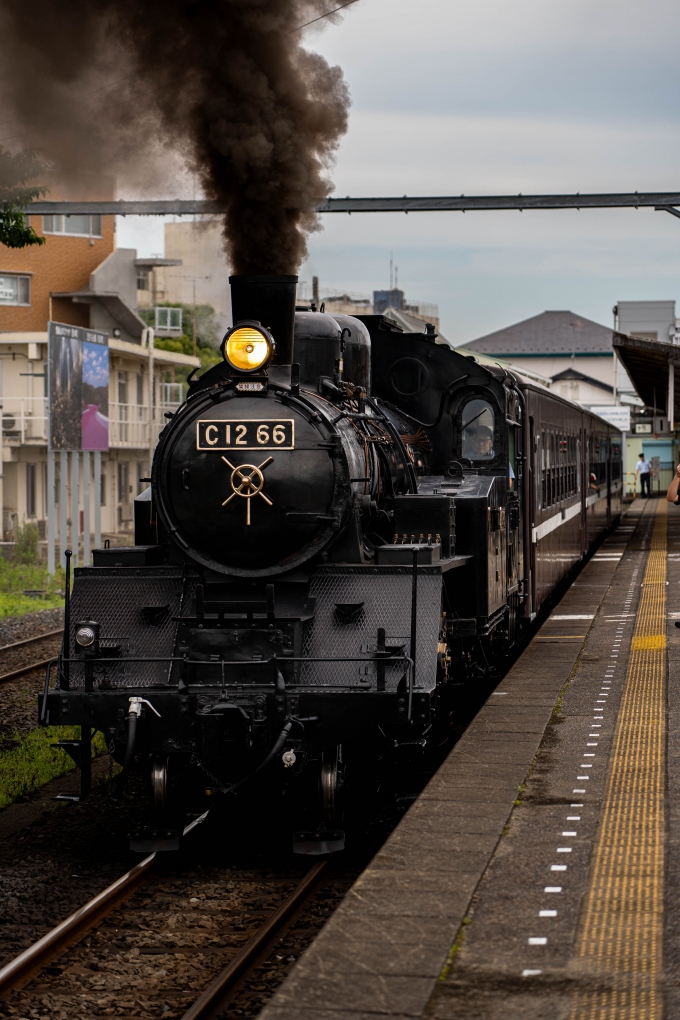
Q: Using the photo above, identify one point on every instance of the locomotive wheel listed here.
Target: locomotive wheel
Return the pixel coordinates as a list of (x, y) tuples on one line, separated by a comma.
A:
[(159, 781), (330, 785)]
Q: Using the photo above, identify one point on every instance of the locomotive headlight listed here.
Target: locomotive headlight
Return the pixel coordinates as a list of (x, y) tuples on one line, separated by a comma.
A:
[(247, 348), (85, 636), (87, 639)]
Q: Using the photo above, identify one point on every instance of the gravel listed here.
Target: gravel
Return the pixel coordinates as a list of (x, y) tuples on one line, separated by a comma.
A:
[(19, 698), (16, 628), (157, 951)]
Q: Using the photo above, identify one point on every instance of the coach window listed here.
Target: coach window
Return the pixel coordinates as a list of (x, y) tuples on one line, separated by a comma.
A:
[(478, 430)]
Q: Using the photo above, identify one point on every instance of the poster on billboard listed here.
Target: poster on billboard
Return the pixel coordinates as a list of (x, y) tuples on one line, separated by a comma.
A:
[(78, 388)]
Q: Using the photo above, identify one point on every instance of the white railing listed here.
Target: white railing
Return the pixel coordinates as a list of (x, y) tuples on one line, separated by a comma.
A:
[(129, 424), (24, 420)]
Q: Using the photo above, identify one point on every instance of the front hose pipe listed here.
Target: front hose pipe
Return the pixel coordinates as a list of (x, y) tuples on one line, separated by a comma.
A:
[(276, 750), (134, 713), (129, 754)]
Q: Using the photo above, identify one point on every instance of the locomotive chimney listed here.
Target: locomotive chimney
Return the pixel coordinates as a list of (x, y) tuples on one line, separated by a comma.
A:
[(271, 301)]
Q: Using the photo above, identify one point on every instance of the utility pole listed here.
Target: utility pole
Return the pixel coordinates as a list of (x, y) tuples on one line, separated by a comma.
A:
[(194, 317)]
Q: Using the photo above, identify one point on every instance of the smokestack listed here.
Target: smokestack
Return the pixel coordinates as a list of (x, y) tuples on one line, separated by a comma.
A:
[(270, 300), (117, 86)]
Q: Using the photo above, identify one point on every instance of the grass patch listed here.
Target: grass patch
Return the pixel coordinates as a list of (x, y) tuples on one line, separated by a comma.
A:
[(32, 763), (16, 577), (460, 938)]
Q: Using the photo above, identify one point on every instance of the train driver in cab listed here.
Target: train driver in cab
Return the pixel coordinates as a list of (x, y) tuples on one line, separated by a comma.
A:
[(478, 443)]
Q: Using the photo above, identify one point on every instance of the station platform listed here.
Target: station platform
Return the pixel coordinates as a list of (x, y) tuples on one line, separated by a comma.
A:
[(538, 874)]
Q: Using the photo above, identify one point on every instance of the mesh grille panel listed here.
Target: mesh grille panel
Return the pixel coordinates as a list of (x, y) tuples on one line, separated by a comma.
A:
[(387, 603), (117, 602)]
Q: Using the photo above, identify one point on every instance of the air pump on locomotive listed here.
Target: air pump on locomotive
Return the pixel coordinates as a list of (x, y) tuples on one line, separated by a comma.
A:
[(319, 563)]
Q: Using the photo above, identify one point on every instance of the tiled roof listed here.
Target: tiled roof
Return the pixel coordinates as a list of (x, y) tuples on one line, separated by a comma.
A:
[(547, 333)]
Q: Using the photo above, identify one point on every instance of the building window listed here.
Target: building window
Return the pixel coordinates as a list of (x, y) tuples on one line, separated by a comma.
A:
[(169, 320), (122, 387), (102, 491), (30, 490), (171, 393), (141, 473), (15, 290), (143, 279), (80, 226), (140, 396), (123, 482)]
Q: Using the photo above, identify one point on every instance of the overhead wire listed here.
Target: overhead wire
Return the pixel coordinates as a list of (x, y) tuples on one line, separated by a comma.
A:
[(321, 17)]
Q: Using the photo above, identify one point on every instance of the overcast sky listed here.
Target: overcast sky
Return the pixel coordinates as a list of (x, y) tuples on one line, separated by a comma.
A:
[(498, 97)]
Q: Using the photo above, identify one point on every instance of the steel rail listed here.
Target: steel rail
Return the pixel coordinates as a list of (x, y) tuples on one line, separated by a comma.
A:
[(660, 200), (7, 678), (23, 966), (248, 954), (32, 640)]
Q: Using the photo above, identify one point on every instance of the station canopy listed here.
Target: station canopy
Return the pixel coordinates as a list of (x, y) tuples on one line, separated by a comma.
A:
[(648, 363)]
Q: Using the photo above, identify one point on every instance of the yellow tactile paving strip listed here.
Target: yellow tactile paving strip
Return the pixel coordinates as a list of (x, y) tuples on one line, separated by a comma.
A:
[(620, 944)]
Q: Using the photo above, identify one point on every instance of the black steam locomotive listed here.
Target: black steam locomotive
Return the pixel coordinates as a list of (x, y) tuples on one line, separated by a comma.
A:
[(346, 524)]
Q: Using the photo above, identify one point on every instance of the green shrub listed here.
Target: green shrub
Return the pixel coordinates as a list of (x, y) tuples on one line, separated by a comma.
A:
[(26, 545)]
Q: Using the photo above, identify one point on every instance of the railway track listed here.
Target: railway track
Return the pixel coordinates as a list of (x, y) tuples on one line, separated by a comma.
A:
[(19, 646), (193, 983)]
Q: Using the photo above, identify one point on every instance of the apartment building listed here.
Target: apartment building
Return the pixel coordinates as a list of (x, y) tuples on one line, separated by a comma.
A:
[(78, 278)]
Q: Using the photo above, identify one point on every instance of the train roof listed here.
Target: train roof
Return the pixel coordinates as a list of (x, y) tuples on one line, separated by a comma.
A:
[(487, 359), (530, 380)]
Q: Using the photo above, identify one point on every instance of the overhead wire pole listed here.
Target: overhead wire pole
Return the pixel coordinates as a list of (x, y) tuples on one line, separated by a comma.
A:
[(661, 201)]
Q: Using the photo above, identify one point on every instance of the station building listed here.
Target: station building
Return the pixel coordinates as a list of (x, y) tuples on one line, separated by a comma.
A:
[(80, 278), (592, 365)]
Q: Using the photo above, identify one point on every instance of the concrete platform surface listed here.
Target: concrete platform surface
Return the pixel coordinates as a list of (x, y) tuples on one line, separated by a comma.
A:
[(454, 917)]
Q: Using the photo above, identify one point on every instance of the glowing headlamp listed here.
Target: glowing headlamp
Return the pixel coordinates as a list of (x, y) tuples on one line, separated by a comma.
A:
[(247, 347)]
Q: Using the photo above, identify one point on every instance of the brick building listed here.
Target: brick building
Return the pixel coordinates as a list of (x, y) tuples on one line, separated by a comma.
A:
[(78, 277)]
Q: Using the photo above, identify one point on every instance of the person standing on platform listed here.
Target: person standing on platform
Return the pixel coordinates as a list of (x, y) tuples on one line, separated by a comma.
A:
[(643, 468), (672, 494)]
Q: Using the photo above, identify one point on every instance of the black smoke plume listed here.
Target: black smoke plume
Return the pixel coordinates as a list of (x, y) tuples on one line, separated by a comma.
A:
[(225, 84)]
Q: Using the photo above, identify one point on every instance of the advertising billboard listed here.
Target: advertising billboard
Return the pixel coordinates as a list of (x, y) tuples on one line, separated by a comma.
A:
[(616, 414), (78, 388)]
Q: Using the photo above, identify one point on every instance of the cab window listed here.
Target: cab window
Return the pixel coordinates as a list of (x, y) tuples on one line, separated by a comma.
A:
[(478, 431)]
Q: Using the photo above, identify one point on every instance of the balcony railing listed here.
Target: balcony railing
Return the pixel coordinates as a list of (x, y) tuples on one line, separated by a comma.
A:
[(129, 424), (25, 422)]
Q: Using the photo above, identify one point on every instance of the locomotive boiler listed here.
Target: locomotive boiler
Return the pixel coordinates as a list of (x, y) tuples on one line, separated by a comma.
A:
[(340, 534)]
